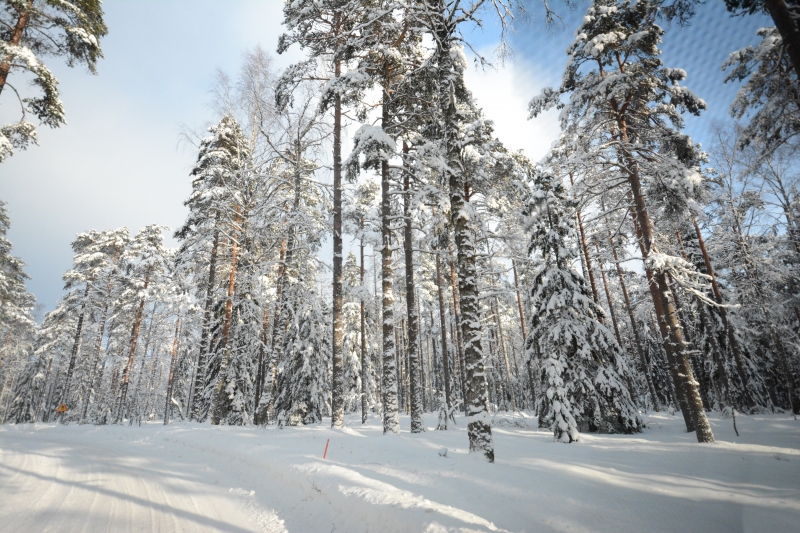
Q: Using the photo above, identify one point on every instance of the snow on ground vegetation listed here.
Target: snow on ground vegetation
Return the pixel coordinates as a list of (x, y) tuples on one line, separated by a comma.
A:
[(193, 478)]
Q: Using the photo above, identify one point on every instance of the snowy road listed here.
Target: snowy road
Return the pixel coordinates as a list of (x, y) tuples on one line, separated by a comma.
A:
[(196, 478), (81, 484)]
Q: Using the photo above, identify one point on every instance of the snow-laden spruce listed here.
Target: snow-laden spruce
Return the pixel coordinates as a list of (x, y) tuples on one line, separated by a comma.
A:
[(583, 372)]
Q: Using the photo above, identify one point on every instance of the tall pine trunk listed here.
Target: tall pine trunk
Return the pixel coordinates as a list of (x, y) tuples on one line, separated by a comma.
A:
[(76, 343), (172, 362), (14, 39), (523, 330), (786, 23), (414, 367), (479, 428), (126, 376), (96, 359), (634, 329), (443, 322), (220, 407), (674, 344), (337, 386), (390, 408), (364, 407), (457, 339), (732, 342)]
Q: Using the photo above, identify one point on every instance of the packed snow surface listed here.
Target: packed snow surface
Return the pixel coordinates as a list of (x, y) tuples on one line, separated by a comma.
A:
[(193, 478)]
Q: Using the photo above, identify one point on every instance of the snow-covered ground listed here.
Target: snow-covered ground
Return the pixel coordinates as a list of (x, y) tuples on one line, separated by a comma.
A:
[(197, 478)]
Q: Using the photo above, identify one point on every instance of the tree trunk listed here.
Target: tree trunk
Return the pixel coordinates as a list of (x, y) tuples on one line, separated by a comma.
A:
[(443, 322), (524, 330), (608, 296), (478, 426), (337, 385), (14, 39), (288, 240), (200, 367), (391, 422), (414, 389), (75, 347), (95, 361), (786, 23), (734, 345), (363, 318), (173, 361), (126, 376), (502, 341), (220, 410), (674, 344), (261, 364), (634, 329), (457, 338)]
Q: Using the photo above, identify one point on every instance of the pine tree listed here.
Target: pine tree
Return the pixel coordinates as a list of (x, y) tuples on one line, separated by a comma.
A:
[(30, 29), (770, 94), (630, 122)]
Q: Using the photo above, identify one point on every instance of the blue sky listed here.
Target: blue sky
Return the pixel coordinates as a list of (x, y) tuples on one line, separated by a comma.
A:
[(118, 161)]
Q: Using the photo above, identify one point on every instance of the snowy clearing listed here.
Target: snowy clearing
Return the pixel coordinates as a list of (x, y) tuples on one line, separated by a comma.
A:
[(201, 478)]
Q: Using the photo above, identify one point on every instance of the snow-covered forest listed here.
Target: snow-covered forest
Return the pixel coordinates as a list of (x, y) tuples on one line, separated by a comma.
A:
[(361, 248)]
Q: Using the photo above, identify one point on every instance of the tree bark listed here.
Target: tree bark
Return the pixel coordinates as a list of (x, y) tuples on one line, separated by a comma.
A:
[(14, 40), (457, 338), (414, 389), (524, 330), (786, 23), (608, 296), (200, 369), (219, 410), (734, 345), (674, 343), (96, 360), (134, 339), (478, 427), (75, 347), (391, 421), (261, 364), (502, 342), (443, 328), (364, 410), (337, 385), (634, 329), (173, 361)]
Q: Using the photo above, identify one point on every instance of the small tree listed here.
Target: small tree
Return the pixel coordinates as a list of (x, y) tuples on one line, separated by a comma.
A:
[(583, 371)]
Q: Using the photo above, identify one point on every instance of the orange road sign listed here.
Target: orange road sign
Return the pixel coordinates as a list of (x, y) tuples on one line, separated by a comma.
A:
[(62, 408)]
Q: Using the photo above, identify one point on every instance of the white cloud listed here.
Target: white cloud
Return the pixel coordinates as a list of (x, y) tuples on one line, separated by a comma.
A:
[(504, 92)]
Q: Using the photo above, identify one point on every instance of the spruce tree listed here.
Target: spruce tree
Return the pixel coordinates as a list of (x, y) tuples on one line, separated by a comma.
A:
[(582, 368)]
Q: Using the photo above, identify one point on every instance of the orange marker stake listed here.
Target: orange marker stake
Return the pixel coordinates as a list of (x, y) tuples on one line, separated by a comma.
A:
[(324, 455)]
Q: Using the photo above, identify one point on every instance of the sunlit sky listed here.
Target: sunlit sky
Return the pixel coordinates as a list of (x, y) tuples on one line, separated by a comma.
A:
[(118, 161)]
